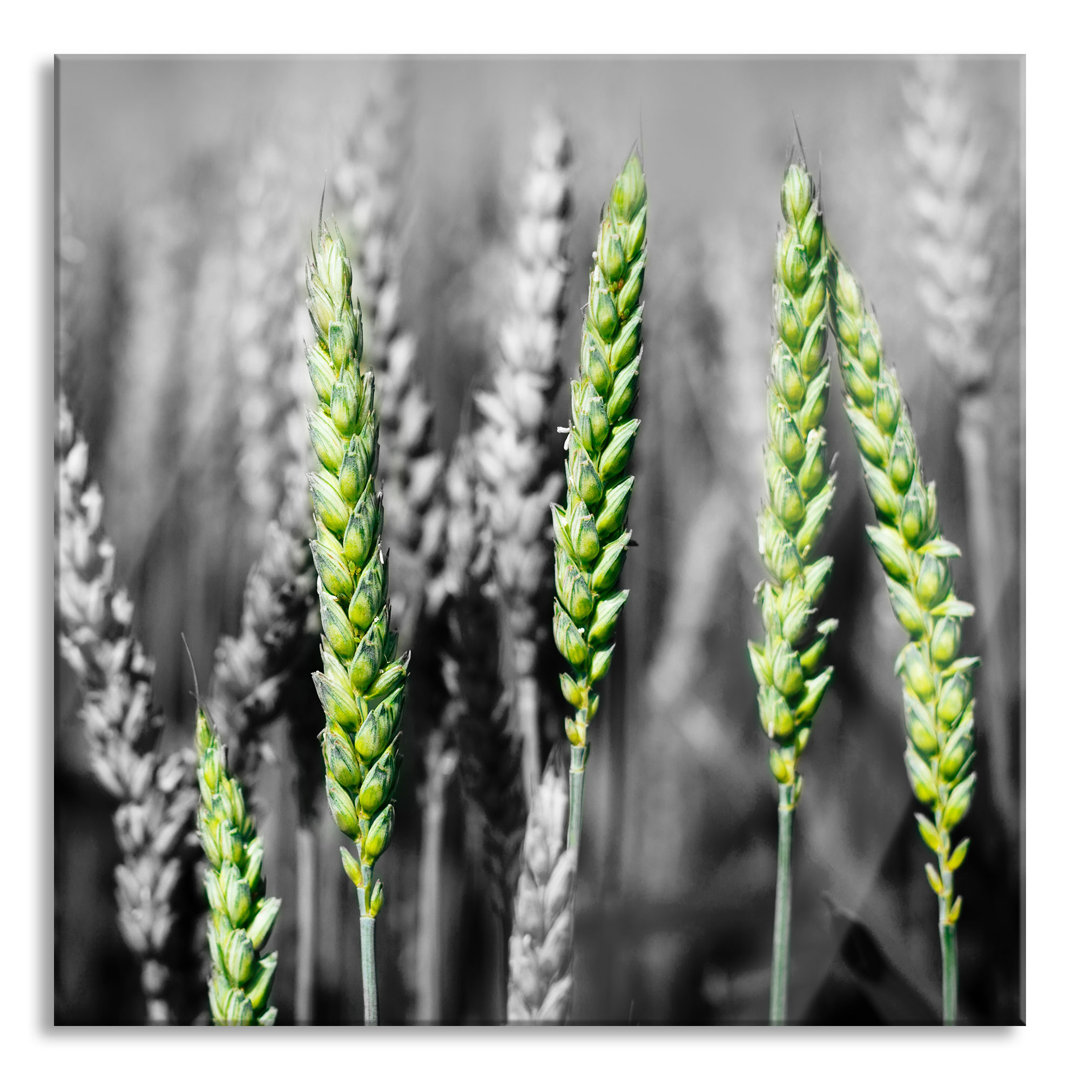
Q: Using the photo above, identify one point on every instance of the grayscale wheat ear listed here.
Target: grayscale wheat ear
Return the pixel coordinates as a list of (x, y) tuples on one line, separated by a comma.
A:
[(939, 709), (369, 187), (542, 938), (519, 475), (155, 792)]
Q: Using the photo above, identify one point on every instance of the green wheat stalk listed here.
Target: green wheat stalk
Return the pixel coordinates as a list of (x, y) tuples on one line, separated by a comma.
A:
[(939, 710), (241, 914), (361, 686), (590, 534), (787, 662)]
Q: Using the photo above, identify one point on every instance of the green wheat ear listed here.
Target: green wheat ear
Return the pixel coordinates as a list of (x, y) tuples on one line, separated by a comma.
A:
[(590, 534), (241, 914), (788, 662), (362, 685), (939, 710)]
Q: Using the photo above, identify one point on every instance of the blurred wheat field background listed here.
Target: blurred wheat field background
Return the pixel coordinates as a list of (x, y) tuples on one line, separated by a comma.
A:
[(189, 190)]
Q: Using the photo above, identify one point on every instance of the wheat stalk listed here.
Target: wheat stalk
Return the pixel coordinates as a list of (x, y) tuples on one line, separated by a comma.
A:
[(478, 705), (361, 686), (939, 710), (590, 534), (252, 669), (788, 662), (542, 940), (123, 728), (369, 186), (955, 219), (520, 476), (264, 301), (241, 914)]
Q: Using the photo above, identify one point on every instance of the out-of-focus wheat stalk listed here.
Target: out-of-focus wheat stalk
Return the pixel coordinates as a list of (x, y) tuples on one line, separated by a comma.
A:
[(123, 729), (70, 253), (542, 939), (478, 710), (518, 470), (135, 459), (263, 305), (956, 218), (370, 186)]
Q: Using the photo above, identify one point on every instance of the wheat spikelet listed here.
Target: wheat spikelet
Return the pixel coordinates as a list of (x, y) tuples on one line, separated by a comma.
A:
[(241, 914), (478, 706), (361, 686), (788, 662), (939, 709), (519, 474), (542, 939), (590, 534), (122, 726), (369, 186)]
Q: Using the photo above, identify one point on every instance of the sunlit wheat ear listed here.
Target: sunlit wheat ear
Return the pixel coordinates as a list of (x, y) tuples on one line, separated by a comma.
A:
[(123, 729), (241, 914), (362, 684), (939, 709), (591, 537), (542, 939), (519, 475)]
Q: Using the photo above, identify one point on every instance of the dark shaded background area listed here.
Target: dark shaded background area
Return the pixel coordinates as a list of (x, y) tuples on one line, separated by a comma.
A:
[(676, 891)]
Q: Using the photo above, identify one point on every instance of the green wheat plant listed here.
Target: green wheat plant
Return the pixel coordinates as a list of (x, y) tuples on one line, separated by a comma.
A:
[(590, 534), (123, 728), (519, 475), (242, 916), (542, 938), (362, 685), (939, 710), (787, 663)]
